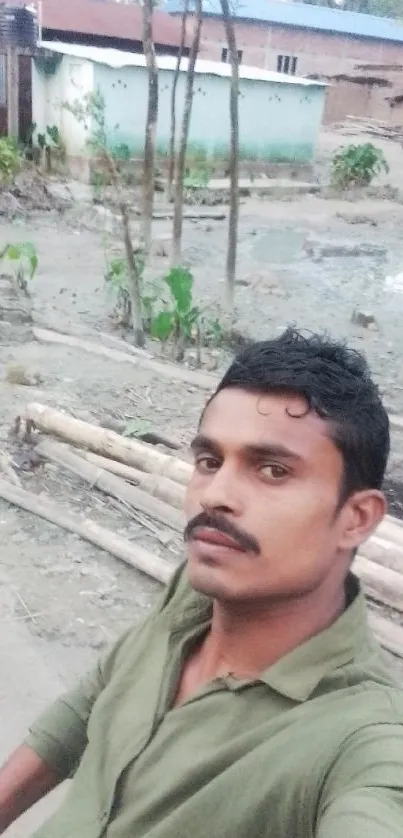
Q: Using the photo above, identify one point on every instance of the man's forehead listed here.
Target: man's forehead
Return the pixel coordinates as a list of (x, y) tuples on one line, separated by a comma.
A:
[(245, 418)]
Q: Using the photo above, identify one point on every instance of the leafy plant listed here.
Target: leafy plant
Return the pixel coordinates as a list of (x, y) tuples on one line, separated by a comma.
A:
[(197, 177), (118, 283), (90, 112), (116, 279), (180, 321), (9, 159), (357, 165), (22, 259)]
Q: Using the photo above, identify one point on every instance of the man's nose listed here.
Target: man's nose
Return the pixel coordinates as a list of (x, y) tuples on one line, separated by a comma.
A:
[(222, 492)]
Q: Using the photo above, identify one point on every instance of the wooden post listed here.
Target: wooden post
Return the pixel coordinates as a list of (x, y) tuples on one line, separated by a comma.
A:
[(13, 110)]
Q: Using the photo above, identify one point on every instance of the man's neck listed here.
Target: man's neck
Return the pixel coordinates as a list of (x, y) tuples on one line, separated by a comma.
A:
[(245, 640)]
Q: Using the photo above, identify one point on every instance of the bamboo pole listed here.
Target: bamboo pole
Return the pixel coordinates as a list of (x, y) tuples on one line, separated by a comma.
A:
[(388, 633), (380, 583), (160, 487), (131, 554), (107, 443), (111, 484)]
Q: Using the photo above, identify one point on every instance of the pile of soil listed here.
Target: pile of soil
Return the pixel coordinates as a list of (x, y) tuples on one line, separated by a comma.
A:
[(28, 193)]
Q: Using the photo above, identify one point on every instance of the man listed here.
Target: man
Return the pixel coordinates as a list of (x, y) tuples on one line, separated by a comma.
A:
[(254, 702)]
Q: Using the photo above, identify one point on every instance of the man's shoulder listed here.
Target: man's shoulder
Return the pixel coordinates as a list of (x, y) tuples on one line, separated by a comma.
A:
[(178, 603)]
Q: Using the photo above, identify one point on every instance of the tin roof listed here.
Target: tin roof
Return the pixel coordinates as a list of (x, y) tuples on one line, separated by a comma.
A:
[(118, 59), (103, 18), (306, 16)]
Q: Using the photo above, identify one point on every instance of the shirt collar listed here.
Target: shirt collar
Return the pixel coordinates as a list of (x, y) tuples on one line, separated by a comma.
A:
[(298, 673)]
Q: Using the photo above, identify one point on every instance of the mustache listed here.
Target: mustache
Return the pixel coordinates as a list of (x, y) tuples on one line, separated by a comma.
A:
[(245, 541)]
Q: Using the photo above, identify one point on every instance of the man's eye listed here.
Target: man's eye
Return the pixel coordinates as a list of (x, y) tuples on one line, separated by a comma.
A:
[(274, 471), (206, 463)]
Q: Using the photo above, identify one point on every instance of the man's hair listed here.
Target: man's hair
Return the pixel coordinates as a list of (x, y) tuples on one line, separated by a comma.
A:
[(336, 383)]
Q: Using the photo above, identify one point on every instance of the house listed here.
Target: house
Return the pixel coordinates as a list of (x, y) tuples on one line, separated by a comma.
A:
[(279, 115), (318, 42), (100, 23), (299, 38)]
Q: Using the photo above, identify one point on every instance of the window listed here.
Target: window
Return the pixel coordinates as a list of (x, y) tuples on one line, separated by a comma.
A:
[(225, 55), (287, 64)]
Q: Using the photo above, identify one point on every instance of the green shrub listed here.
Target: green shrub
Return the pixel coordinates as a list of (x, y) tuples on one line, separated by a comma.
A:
[(357, 165), (9, 159)]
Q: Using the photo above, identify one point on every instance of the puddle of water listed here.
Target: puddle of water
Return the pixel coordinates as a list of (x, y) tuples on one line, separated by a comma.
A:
[(278, 246)]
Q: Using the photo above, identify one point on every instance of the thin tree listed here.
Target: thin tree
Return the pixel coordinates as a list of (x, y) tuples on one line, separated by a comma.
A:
[(151, 125), (181, 157), (234, 155), (172, 140)]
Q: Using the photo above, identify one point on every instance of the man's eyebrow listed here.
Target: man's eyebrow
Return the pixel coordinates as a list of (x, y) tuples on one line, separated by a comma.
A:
[(272, 450), (256, 451), (203, 443)]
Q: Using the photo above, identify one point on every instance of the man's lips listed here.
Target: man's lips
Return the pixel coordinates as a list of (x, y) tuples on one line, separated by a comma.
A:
[(210, 536)]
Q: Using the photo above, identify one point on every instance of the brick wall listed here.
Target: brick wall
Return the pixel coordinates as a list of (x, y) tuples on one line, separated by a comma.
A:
[(316, 52)]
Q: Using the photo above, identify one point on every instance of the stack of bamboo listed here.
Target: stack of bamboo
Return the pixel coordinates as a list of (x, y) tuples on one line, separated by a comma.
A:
[(153, 483)]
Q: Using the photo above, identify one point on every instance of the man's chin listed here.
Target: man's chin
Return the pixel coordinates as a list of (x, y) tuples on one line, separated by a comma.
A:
[(208, 579)]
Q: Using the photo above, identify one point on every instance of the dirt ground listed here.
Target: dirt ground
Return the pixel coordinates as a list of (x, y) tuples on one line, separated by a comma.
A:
[(310, 260)]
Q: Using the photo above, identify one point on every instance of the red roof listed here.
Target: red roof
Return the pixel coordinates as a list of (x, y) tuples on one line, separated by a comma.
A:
[(105, 19)]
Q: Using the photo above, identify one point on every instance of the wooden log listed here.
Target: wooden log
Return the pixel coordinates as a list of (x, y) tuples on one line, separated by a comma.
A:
[(388, 634), (385, 553), (390, 530), (174, 373), (151, 437), (107, 443), (396, 422), (111, 484), (131, 554), (160, 487), (380, 583)]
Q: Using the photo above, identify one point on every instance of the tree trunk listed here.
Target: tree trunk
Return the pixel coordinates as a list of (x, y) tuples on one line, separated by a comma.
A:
[(133, 270), (234, 157), (172, 140), (151, 125), (181, 159), (134, 279)]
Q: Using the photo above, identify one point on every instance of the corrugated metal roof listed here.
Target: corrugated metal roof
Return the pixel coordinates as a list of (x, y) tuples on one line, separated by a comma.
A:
[(306, 16), (104, 19), (118, 59)]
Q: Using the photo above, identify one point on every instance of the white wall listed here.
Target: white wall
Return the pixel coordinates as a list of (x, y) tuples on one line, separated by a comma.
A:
[(277, 120), (73, 79)]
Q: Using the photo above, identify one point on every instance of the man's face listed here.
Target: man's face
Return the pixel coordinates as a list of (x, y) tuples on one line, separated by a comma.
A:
[(267, 481)]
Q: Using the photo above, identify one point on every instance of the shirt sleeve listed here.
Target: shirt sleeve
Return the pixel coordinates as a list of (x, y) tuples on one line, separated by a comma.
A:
[(363, 793), (59, 735)]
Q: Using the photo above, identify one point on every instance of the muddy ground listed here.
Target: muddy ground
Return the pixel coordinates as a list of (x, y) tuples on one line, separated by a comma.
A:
[(310, 260)]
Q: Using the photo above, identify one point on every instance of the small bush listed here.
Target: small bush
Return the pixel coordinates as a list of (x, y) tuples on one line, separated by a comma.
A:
[(9, 159), (21, 263), (357, 165)]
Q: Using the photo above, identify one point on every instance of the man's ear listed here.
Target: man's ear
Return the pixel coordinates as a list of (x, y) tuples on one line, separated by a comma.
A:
[(361, 515)]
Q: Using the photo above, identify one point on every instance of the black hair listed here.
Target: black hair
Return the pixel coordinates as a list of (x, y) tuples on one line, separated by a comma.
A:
[(336, 382)]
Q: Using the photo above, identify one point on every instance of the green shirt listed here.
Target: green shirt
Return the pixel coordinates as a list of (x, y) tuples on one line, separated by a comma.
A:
[(314, 747)]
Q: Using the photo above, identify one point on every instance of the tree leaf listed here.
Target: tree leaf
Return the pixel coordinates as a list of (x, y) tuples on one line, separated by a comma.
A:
[(162, 325), (180, 283)]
